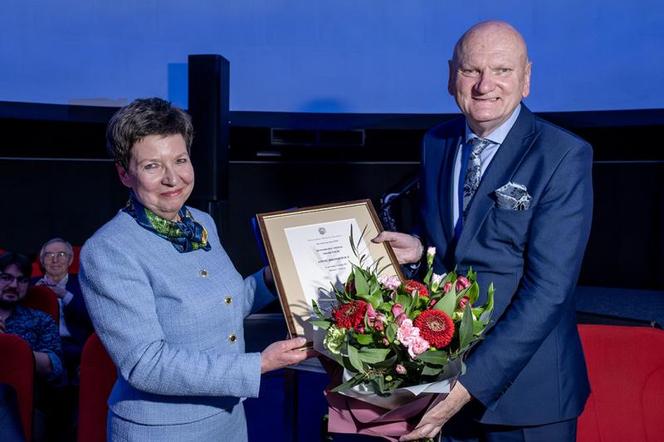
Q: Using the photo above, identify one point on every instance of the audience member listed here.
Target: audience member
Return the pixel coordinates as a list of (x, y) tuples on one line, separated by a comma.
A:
[(56, 257), (37, 328)]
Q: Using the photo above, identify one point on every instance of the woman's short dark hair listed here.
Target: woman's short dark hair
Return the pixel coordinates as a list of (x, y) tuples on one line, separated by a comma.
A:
[(21, 261), (141, 118)]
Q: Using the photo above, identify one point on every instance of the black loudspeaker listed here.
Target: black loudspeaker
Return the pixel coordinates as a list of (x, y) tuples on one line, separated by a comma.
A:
[(208, 107)]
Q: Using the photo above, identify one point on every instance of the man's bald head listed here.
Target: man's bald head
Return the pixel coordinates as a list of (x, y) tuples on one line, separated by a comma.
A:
[(489, 74), (493, 30)]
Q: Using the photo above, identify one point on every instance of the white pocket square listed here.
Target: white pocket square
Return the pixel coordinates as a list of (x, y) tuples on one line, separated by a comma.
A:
[(513, 196)]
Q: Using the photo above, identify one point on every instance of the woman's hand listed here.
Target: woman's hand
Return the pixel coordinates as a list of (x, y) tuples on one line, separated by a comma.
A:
[(281, 354), (434, 419), (407, 248)]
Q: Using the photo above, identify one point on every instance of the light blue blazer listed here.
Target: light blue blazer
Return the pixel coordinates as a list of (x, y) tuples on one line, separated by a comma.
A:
[(171, 322)]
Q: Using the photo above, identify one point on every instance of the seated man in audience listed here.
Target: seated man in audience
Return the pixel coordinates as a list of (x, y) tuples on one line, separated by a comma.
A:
[(37, 328), (56, 257)]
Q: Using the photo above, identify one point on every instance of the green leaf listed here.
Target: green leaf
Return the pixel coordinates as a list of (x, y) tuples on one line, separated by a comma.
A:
[(355, 380), (433, 357), (405, 300), (352, 241), (364, 231), (380, 384), (387, 363), (321, 323), (478, 327), (466, 328), (432, 371), (391, 332), (447, 303), (354, 358), (361, 285), (427, 278), (317, 310), (364, 339), (450, 277), (375, 299), (488, 308), (373, 355), (473, 292), (382, 269)]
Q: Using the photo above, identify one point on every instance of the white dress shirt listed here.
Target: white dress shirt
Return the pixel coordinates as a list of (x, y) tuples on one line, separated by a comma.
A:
[(60, 286), (497, 136)]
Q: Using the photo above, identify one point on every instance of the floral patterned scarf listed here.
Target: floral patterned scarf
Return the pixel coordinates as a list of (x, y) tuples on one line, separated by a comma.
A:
[(186, 235)]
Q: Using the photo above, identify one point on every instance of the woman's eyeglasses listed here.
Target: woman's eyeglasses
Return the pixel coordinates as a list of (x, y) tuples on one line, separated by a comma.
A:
[(8, 278)]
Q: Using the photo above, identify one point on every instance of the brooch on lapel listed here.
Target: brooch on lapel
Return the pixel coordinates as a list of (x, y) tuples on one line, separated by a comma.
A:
[(513, 196)]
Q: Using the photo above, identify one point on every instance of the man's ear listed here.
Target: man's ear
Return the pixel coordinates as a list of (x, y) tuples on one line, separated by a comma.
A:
[(450, 78), (526, 80), (125, 177)]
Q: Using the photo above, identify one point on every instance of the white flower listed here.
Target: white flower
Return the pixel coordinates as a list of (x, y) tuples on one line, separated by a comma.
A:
[(436, 280), (431, 254)]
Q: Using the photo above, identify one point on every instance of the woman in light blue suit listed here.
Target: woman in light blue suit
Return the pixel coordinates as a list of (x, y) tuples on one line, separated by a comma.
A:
[(165, 299)]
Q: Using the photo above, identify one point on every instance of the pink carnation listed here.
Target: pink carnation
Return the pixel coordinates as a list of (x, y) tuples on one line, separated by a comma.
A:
[(402, 317), (397, 309), (400, 369), (407, 333), (391, 282), (417, 346)]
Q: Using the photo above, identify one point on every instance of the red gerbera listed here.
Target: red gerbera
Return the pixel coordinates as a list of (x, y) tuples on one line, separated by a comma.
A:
[(412, 286), (436, 327), (350, 315)]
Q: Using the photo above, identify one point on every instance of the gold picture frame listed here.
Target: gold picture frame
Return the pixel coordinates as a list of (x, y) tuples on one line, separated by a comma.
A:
[(309, 247)]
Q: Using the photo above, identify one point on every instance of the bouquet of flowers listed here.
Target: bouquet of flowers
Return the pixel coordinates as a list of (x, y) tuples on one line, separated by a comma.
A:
[(393, 337)]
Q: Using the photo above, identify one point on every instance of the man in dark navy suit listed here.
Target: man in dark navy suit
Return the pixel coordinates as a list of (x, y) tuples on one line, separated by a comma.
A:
[(509, 195)]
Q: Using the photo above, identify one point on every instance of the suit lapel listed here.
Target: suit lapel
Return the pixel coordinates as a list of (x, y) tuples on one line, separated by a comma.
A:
[(500, 171), (445, 185)]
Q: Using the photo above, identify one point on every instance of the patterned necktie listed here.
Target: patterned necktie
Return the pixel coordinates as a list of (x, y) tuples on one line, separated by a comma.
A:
[(474, 171)]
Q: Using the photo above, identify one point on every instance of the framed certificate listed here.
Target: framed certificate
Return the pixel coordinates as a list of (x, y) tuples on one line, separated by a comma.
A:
[(314, 248)]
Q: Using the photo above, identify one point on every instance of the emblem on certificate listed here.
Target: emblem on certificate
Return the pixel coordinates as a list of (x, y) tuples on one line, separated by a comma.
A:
[(312, 249)]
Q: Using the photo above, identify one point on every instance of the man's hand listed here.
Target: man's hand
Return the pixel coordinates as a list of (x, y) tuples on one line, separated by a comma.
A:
[(43, 365), (281, 354), (434, 419), (60, 292), (407, 248)]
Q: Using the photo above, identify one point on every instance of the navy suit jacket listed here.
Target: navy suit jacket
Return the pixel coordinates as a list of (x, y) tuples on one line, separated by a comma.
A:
[(76, 314), (529, 369)]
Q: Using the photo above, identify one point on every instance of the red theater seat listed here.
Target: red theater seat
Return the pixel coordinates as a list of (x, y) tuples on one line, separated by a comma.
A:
[(43, 298), (98, 375), (626, 370), (17, 369)]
